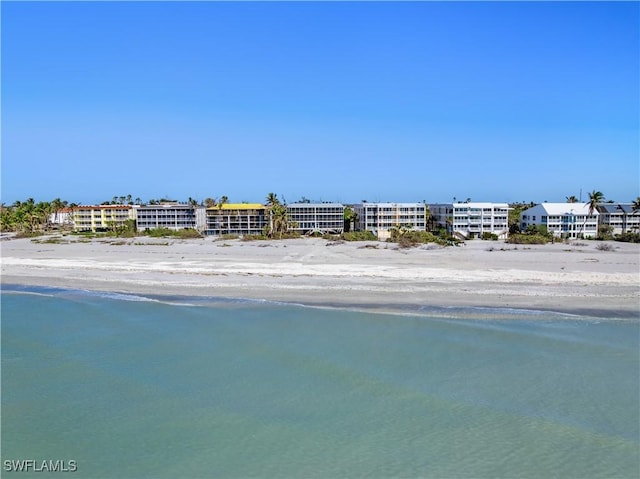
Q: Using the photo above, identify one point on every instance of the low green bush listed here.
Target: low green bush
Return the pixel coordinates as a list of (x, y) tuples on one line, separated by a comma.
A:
[(536, 238), (359, 236), (628, 237), (186, 233)]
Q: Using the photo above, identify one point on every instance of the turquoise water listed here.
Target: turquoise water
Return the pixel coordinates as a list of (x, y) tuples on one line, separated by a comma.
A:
[(140, 387)]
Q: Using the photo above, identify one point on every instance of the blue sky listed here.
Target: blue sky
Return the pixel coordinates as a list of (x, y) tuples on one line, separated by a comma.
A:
[(333, 101)]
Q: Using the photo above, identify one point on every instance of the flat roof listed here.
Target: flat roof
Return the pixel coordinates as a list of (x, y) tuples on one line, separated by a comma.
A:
[(166, 205), (239, 206), (315, 205), (102, 207)]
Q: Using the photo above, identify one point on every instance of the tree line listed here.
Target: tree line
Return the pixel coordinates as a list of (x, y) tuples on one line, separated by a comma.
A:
[(28, 217)]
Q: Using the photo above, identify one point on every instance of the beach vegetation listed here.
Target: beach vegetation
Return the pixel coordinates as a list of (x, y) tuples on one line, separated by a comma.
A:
[(358, 236), (350, 217), (50, 240), (406, 237), (229, 236), (628, 237), (186, 233), (604, 247), (486, 235), (534, 234), (605, 232), (526, 238), (279, 223), (253, 237), (26, 217), (514, 216)]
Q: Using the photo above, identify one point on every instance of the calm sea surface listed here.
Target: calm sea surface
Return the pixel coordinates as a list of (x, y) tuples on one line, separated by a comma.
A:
[(136, 387)]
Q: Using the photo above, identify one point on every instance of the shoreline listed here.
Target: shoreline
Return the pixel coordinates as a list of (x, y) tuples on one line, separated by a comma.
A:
[(437, 311), (367, 276)]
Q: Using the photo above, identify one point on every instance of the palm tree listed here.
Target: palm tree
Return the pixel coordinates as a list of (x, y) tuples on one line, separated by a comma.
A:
[(349, 218), (635, 208), (278, 218), (272, 202), (272, 199), (595, 197), (56, 206), (222, 201), (571, 199), (209, 202)]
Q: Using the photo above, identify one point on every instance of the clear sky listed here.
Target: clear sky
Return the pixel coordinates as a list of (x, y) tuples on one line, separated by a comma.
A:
[(333, 101)]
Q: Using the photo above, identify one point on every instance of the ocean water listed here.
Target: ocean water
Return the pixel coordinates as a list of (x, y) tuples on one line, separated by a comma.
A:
[(133, 387)]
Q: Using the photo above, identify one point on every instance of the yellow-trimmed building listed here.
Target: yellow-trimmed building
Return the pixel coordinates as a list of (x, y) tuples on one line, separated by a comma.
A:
[(101, 217), (237, 219)]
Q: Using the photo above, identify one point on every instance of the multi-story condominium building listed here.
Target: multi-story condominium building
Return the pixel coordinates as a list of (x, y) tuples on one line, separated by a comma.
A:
[(471, 220), (564, 220), (101, 217), (308, 218), (380, 218), (620, 217), (236, 219), (174, 216)]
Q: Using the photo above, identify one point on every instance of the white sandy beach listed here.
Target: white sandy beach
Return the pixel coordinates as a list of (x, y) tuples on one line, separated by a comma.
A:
[(562, 277)]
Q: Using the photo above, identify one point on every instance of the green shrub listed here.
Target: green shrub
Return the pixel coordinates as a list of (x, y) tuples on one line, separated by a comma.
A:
[(359, 236), (489, 236), (186, 233), (605, 232), (410, 238), (628, 237), (253, 237), (535, 238), (159, 232)]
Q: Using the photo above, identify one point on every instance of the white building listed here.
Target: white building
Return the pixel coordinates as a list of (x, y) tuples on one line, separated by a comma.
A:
[(61, 218), (174, 216), (237, 219), (620, 217), (308, 218), (380, 218), (564, 220), (471, 220)]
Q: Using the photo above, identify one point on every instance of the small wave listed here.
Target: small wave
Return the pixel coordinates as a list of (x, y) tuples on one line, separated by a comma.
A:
[(30, 290), (116, 296), (29, 293)]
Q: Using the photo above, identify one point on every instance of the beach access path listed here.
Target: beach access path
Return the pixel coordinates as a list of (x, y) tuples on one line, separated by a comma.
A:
[(574, 277)]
